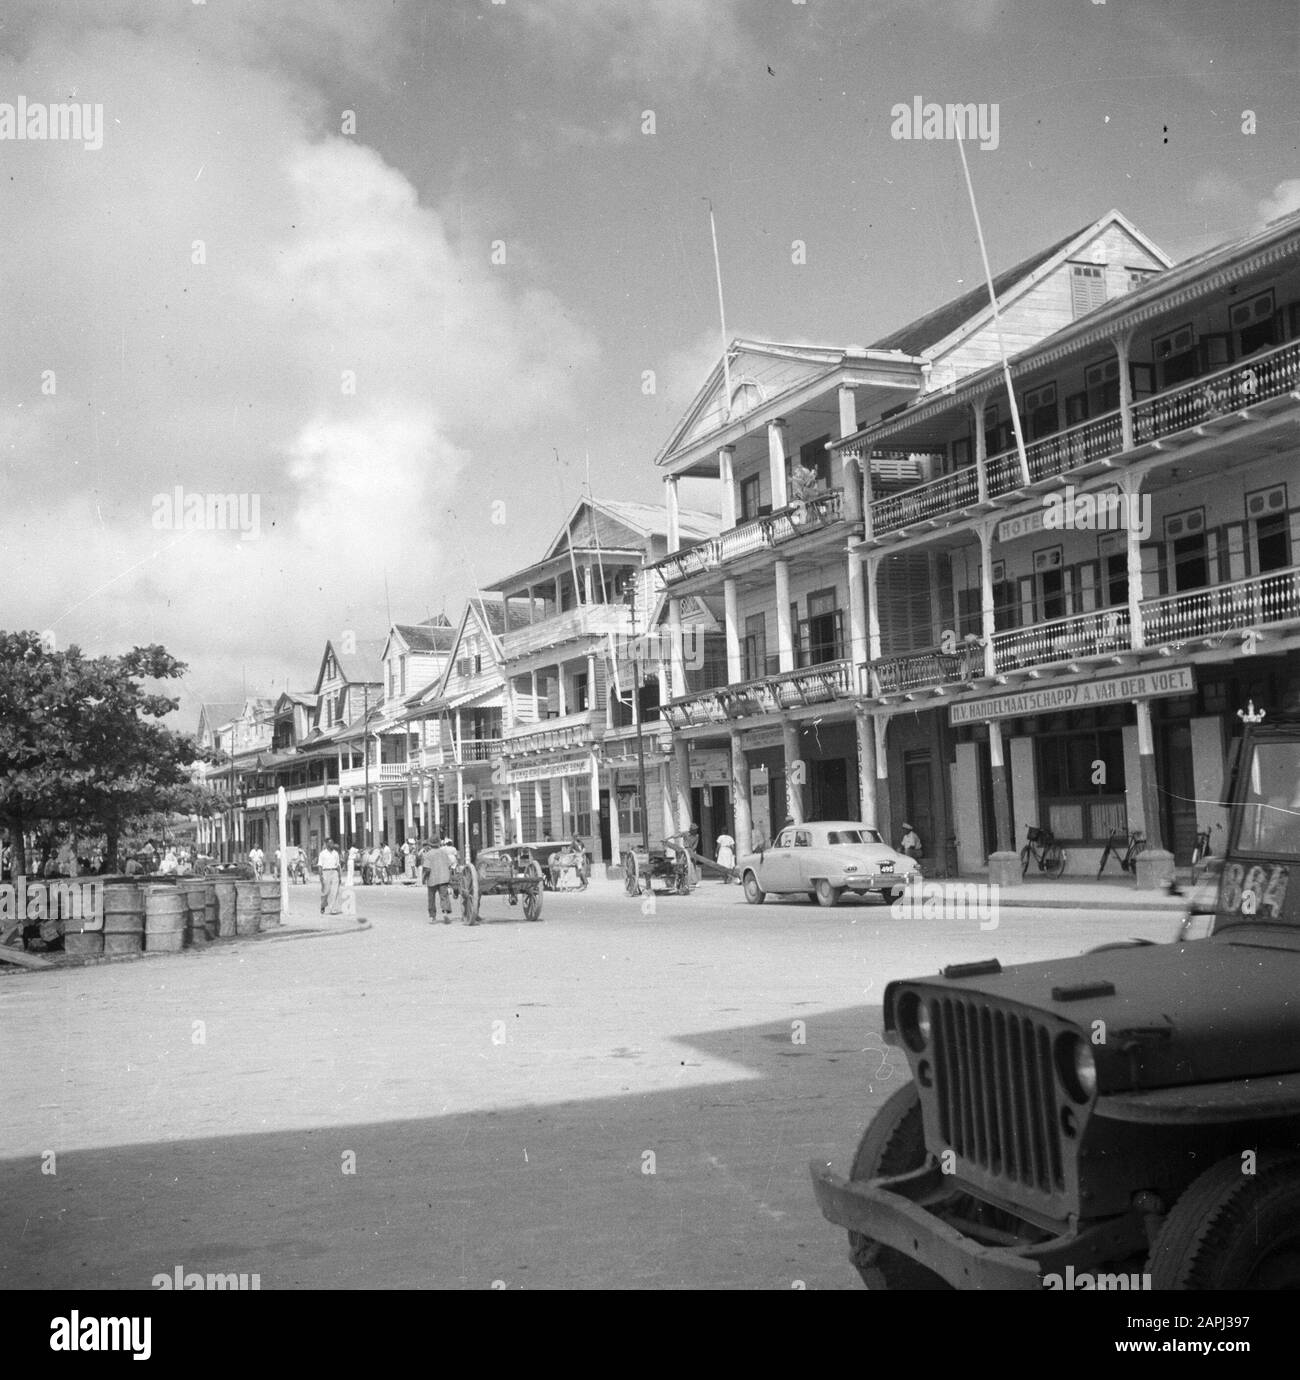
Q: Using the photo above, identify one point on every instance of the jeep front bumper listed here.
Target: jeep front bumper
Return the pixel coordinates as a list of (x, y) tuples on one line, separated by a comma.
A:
[(891, 1212)]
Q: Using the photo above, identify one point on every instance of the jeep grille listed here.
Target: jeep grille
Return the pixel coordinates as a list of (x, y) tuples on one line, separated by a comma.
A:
[(996, 1091)]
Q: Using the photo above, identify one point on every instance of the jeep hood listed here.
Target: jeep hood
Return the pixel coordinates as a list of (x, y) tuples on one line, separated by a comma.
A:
[(1169, 1013)]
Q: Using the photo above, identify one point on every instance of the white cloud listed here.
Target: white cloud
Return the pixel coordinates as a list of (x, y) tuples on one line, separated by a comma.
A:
[(230, 375), (1283, 201)]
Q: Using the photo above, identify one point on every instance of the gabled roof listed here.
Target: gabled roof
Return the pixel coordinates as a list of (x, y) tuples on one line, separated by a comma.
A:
[(972, 309), (486, 614), (363, 666), (306, 699), (219, 713), (434, 635), (748, 360)]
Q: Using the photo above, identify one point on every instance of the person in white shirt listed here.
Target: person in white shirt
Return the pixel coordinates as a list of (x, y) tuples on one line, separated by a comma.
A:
[(727, 855), (328, 864), (257, 858), (168, 867)]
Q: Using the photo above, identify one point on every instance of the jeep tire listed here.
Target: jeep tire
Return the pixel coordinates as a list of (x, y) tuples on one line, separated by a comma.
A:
[(1234, 1230), (893, 1143)]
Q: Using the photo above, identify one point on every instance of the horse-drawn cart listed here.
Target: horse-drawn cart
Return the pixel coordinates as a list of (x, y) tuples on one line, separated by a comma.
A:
[(508, 870)]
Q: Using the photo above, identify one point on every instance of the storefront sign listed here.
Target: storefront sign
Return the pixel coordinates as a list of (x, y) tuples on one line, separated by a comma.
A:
[(758, 738), (710, 767), (1142, 685), (1023, 526), (545, 771)]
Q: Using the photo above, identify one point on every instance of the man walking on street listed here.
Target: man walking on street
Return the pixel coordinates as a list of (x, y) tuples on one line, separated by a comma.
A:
[(435, 868), (328, 864)]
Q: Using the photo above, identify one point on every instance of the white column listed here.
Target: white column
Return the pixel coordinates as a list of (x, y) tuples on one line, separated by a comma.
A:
[(593, 769), (784, 632), (682, 765), (981, 450), (850, 479), (1125, 391), (777, 437), (866, 736), (987, 623), (727, 484), (870, 568), (674, 525), (517, 812), (794, 769), (615, 837), (731, 617), (857, 614), (678, 656), (560, 689), (1132, 484)]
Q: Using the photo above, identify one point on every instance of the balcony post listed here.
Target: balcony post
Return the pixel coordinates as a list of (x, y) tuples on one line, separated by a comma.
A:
[(566, 806), (976, 409), (674, 521), (562, 699), (850, 459), (988, 623), (517, 811), (871, 566), (615, 836), (742, 820), (542, 824), (1130, 484), (682, 766), (866, 736), (857, 614), (591, 689), (462, 824), (784, 636), (777, 437), (1004, 862), (1122, 345), (593, 772), (1155, 866), (727, 483), (868, 496), (794, 771), (884, 810), (731, 617), (677, 653)]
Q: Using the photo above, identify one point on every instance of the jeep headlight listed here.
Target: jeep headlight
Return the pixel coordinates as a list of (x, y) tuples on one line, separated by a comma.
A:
[(1077, 1067), (914, 1021)]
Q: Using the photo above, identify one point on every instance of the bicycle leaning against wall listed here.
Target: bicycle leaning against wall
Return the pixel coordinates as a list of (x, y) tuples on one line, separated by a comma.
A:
[(1127, 858), (1043, 849)]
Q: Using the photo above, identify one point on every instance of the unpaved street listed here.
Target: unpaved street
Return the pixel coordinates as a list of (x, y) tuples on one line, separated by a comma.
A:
[(601, 1099)]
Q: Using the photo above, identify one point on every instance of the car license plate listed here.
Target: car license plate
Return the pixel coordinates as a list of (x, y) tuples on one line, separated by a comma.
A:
[(886, 867)]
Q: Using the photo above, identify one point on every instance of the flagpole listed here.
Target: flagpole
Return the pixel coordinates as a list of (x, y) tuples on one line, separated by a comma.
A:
[(722, 314), (997, 320)]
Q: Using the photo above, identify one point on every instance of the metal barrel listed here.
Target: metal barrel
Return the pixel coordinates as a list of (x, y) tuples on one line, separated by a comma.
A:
[(193, 892), (123, 918), (224, 894), (165, 915), (248, 908)]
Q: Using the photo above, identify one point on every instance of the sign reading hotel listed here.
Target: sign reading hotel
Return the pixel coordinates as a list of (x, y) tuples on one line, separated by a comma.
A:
[(1142, 685)]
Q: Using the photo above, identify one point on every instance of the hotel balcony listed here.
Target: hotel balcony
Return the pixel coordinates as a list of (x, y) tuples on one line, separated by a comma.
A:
[(573, 624), (296, 795), (798, 523), (1193, 620), (568, 732), (810, 685), (1212, 404)]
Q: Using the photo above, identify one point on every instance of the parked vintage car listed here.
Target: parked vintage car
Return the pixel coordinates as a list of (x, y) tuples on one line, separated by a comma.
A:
[(824, 859), (1131, 1114)]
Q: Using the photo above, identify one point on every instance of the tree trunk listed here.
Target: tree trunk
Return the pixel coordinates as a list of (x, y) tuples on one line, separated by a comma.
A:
[(17, 847), (110, 848)]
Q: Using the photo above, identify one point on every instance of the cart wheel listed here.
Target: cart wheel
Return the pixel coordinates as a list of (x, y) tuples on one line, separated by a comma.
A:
[(533, 883), (631, 883), (470, 895)]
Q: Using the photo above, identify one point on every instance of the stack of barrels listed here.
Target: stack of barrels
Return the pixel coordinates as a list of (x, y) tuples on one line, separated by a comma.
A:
[(193, 891), (224, 895), (165, 918), (123, 918), (248, 907)]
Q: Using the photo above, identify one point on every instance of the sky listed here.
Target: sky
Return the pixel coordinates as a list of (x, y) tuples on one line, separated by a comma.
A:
[(396, 273)]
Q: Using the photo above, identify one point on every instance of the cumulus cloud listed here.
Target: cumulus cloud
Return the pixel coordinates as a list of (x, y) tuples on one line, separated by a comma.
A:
[(232, 297), (1283, 201)]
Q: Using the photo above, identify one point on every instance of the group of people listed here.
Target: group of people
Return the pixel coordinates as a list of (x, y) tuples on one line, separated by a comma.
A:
[(435, 861)]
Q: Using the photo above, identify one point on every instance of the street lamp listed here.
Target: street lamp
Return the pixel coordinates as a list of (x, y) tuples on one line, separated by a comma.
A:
[(1251, 715)]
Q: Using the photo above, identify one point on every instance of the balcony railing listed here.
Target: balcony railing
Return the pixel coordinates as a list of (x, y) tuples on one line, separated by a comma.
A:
[(1250, 381), (764, 533), (898, 674), (471, 750), (550, 735), (584, 620), (1262, 599), (786, 690), (1062, 639)]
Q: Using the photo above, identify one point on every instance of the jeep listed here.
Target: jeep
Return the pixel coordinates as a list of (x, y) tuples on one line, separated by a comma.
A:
[(1132, 1112)]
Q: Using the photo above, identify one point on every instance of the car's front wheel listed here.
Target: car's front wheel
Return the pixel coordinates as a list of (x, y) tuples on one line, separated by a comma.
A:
[(1233, 1230), (754, 893), (828, 895), (894, 1143)]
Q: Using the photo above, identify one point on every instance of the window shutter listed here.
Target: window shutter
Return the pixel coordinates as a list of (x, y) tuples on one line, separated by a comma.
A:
[(1087, 287)]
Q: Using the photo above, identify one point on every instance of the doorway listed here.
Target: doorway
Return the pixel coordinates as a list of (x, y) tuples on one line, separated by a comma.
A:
[(918, 801), (1178, 791)]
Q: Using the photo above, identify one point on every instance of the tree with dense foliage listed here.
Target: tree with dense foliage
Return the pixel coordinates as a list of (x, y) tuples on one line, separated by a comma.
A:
[(81, 745)]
